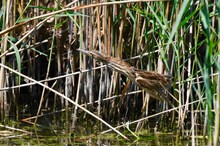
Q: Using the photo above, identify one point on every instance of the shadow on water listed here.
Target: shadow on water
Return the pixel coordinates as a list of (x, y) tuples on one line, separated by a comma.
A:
[(57, 129)]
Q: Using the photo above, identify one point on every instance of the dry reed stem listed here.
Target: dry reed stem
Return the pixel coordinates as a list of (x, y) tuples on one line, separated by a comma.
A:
[(64, 97), (70, 9), (154, 115)]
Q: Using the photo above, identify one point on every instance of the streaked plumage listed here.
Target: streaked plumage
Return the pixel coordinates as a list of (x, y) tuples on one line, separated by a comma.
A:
[(153, 83)]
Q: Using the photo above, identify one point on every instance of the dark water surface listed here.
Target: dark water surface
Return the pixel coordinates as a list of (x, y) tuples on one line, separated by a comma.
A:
[(57, 129)]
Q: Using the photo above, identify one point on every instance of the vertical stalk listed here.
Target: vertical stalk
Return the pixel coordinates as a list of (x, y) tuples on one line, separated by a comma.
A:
[(90, 74), (80, 79), (47, 75), (217, 99), (4, 46), (101, 70)]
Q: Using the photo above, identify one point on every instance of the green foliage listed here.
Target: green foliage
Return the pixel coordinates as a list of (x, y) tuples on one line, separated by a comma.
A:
[(18, 59)]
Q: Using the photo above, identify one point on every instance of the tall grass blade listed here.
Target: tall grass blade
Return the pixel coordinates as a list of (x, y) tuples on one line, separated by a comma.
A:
[(184, 6), (18, 59)]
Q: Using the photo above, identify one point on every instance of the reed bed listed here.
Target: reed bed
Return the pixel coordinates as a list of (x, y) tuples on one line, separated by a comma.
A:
[(41, 67)]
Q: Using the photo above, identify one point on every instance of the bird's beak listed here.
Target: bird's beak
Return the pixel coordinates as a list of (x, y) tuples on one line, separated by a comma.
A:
[(84, 52)]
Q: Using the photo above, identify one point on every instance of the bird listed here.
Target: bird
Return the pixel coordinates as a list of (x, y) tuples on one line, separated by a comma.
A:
[(155, 84)]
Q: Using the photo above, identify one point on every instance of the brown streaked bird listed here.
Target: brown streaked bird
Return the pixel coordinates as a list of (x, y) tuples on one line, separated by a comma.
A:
[(153, 83)]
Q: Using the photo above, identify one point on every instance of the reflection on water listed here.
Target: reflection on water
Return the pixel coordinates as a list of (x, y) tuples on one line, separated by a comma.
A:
[(57, 129)]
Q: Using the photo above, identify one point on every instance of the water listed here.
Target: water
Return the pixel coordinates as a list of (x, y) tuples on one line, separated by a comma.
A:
[(57, 129)]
